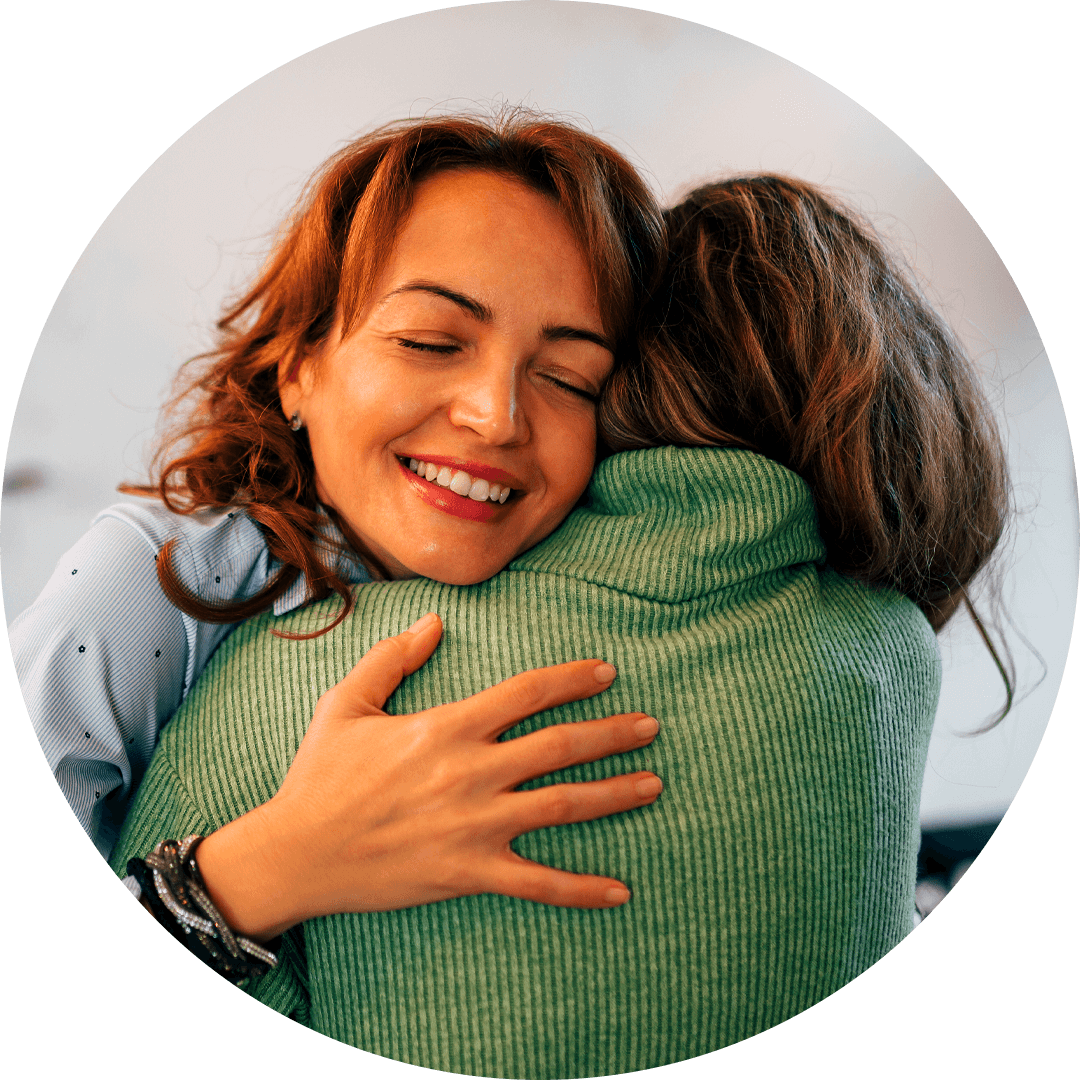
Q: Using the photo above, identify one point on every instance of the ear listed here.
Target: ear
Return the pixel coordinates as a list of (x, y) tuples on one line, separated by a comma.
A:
[(295, 374)]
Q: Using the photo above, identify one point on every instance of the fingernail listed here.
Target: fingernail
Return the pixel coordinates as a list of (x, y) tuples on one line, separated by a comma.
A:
[(617, 896), (421, 623), (649, 785), (604, 673), (646, 727)]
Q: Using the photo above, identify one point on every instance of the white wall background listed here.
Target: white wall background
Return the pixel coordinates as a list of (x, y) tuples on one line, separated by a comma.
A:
[(686, 103)]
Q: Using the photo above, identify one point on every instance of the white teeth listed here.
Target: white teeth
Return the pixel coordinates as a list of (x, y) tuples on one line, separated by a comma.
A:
[(460, 482)]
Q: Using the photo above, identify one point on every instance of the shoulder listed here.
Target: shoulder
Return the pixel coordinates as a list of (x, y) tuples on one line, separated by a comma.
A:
[(875, 610), (221, 531), (216, 552), (112, 567), (886, 635)]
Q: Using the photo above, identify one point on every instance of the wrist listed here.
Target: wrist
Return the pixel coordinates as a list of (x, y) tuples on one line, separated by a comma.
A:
[(244, 866)]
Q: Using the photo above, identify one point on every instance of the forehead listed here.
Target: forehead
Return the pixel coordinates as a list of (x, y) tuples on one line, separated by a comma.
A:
[(491, 236), (476, 189), (457, 210)]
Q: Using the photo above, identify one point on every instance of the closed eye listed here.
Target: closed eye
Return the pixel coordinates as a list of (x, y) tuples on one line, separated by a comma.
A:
[(447, 350), (576, 390), (428, 347)]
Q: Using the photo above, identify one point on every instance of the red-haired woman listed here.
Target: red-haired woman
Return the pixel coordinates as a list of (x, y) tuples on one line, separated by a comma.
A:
[(409, 387)]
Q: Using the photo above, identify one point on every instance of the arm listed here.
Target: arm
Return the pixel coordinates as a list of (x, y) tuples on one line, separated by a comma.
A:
[(380, 812), (104, 659), (101, 657)]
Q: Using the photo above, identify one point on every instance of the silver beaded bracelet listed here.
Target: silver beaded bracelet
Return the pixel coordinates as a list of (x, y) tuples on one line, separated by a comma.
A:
[(170, 880)]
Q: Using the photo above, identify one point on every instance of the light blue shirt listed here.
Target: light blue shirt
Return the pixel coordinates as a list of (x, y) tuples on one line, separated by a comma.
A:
[(104, 659)]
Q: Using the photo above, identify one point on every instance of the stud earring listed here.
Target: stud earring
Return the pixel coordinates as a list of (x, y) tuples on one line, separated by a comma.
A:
[(295, 422)]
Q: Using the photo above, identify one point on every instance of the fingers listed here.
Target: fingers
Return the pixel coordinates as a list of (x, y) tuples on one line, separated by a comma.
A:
[(380, 671), (560, 804), (515, 876), (562, 745), (500, 707)]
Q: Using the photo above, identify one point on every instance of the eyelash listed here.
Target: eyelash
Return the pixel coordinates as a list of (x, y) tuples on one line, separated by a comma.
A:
[(446, 350), (425, 346), (575, 390)]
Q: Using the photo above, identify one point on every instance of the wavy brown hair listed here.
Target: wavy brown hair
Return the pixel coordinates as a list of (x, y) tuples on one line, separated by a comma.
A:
[(784, 326), (231, 444)]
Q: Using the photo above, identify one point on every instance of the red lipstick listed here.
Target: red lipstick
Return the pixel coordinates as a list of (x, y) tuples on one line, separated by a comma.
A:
[(474, 469), (450, 501)]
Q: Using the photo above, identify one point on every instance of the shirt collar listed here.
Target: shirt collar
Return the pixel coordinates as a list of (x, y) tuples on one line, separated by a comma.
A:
[(345, 564)]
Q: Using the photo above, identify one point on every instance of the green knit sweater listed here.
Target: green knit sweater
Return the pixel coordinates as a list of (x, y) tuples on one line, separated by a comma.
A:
[(795, 709)]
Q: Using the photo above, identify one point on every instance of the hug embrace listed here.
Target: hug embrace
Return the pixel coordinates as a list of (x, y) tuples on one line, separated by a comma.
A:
[(493, 446)]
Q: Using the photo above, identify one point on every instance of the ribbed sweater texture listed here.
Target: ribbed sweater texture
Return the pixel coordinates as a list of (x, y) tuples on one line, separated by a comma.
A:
[(795, 708)]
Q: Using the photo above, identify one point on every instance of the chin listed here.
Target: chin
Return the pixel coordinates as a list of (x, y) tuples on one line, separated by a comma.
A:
[(471, 578), (437, 570)]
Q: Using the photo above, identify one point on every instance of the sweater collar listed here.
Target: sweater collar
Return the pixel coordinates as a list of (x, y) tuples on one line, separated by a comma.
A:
[(675, 524)]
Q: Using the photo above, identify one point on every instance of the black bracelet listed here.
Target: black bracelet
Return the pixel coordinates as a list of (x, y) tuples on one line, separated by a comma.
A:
[(169, 878)]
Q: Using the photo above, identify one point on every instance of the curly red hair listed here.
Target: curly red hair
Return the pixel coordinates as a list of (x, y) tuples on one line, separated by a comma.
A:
[(232, 446)]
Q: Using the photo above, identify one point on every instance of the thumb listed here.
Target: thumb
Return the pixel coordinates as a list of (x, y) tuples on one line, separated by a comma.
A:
[(420, 641), (380, 670)]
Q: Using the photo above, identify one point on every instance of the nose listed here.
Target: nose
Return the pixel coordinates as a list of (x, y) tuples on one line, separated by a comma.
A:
[(488, 401)]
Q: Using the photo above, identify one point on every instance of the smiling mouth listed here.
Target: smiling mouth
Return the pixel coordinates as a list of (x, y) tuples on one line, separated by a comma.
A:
[(446, 499), (460, 482)]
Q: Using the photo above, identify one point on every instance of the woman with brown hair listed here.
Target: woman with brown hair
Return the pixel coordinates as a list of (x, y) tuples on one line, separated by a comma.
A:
[(451, 293), (784, 326), (808, 481)]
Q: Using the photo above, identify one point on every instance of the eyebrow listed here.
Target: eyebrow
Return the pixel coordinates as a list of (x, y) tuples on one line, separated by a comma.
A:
[(482, 313)]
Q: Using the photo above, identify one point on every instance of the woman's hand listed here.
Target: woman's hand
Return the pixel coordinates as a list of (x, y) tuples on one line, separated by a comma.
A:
[(380, 812)]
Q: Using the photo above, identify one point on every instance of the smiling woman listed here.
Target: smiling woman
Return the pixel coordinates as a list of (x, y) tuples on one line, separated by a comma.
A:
[(452, 291), (480, 354), (449, 291)]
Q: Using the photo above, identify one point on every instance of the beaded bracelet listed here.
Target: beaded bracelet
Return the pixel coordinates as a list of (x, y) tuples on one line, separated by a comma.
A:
[(170, 880)]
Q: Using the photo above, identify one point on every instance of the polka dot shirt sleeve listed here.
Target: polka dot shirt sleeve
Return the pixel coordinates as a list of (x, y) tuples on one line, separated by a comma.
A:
[(102, 657)]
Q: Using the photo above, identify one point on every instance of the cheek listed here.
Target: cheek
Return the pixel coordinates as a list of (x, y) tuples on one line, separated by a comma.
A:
[(569, 461), (393, 395), (367, 404)]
